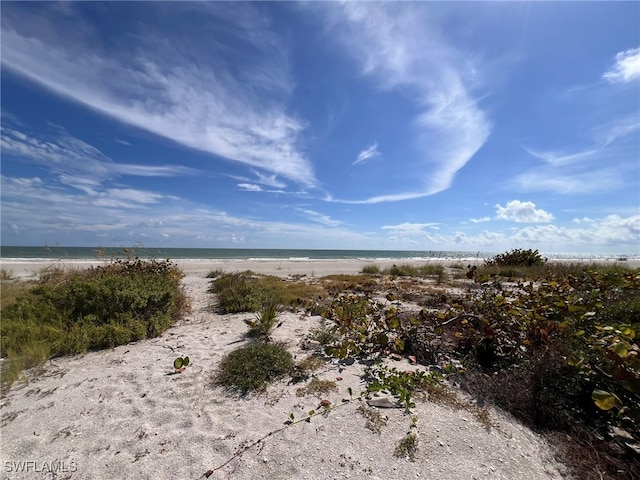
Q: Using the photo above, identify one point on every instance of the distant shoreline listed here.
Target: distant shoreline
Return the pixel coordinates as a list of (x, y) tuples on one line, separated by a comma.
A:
[(25, 268)]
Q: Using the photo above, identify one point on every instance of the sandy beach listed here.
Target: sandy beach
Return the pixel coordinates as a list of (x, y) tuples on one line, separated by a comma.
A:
[(124, 413)]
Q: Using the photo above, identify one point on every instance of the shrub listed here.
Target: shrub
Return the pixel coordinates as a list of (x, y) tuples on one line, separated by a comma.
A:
[(252, 368), (248, 291), (237, 293), (587, 321), (76, 311), (517, 257), (363, 326)]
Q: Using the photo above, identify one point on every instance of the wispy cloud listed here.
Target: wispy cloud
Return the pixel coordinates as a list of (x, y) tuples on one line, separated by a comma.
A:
[(400, 48), (29, 204), (626, 67), (250, 187), (367, 153), (480, 220), (602, 166), (410, 227), (180, 89), (522, 212), (561, 158), (599, 180), (72, 159), (320, 218)]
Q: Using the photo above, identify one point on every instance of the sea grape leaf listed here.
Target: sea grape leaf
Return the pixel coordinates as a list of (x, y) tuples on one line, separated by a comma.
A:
[(605, 400)]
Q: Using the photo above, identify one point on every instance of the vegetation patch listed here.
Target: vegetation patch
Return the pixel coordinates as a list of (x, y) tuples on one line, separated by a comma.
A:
[(518, 257), (407, 447), (248, 292), (339, 283), (266, 319), (374, 419), (561, 354), (316, 387), (371, 269), (253, 367), (70, 312)]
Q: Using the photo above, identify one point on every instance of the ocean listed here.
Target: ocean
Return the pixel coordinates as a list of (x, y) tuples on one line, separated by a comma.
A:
[(93, 253)]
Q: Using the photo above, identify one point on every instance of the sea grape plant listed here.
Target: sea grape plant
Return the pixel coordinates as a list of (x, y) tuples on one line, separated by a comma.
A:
[(591, 319), (181, 362), (364, 326)]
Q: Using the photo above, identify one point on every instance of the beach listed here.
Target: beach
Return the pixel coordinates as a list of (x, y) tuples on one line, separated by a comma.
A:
[(25, 268), (124, 413)]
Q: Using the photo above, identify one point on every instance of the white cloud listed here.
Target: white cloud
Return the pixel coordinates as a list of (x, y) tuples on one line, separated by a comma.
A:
[(610, 230), (626, 67), (69, 157), (561, 158), (410, 227), (602, 179), (367, 153), (170, 87), (320, 218), (481, 220), (398, 45), (250, 187), (269, 180), (522, 212), (605, 165)]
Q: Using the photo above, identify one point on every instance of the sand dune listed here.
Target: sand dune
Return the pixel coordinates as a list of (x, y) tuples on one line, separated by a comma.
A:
[(122, 414)]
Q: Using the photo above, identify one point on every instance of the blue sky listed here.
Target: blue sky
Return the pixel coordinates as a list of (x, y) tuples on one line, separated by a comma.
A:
[(421, 126)]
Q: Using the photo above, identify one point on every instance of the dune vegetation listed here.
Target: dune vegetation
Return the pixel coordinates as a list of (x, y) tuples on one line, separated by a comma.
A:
[(73, 311), (554, 344)]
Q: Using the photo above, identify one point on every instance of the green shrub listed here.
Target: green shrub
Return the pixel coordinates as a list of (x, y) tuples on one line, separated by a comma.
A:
[(252, 368), (589, 320), (363, 327), (517, 257), (237, 293), (248, 291), (76, 311)]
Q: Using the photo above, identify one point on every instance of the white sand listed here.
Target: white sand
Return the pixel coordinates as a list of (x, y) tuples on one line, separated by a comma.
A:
[(122, 414)]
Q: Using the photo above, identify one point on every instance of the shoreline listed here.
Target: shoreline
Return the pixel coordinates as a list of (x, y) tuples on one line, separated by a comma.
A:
[(27, 268)]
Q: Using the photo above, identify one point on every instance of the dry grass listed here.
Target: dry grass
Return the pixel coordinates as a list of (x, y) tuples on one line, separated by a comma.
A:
[(317, 387)]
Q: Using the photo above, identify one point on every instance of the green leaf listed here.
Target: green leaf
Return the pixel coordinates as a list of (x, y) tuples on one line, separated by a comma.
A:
[(177, 363), (185, 362), (605, 400), (381, 339), (628, 332), (621, 349)]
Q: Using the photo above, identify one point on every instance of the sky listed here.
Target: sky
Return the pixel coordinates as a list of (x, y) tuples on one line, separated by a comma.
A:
[(438, 126)]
